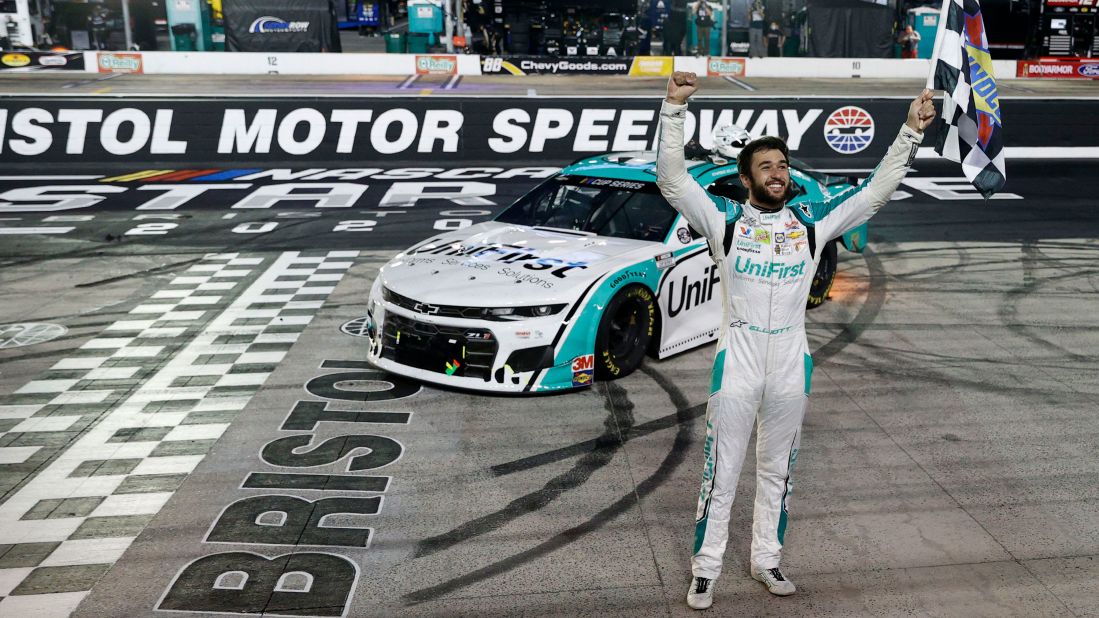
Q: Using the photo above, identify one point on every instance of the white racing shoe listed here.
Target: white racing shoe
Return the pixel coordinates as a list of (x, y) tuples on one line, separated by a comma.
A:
[(701, 593), (774, 580)]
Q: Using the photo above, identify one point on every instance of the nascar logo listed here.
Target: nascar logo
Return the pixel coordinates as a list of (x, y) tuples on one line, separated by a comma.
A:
[(849, 130)]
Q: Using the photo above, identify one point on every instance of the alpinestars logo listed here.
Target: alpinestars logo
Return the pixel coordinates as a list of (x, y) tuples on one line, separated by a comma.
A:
[(849, 129), (274, 25)]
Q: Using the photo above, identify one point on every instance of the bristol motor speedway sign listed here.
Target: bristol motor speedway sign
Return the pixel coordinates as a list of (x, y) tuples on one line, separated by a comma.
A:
[(40, 130), (298, 131)]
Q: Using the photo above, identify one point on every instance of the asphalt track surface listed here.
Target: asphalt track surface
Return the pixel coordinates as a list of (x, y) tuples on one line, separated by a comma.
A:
[(947, 464)]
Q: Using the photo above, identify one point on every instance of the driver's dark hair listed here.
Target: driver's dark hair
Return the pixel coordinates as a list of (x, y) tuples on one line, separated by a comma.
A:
[(767, 142)]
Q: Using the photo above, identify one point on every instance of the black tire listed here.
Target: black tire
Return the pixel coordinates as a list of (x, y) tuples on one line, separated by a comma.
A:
[(824, 277), (625, 330)]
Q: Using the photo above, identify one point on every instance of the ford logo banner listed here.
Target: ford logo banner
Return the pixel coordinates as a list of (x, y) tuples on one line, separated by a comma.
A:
[(1088, 70)]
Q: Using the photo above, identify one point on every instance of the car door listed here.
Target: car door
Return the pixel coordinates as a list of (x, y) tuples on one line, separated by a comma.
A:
[(689, 291)]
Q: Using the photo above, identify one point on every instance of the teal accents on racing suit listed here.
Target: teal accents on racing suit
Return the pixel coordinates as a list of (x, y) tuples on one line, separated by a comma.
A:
[(709, 450), (788, 489), (718, 372), (808, 372)]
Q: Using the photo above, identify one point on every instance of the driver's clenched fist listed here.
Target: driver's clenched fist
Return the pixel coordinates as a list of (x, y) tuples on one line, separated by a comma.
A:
[(681, 85)]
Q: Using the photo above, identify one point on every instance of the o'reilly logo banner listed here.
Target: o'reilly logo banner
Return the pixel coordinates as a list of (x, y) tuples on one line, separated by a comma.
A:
[(550, 130)]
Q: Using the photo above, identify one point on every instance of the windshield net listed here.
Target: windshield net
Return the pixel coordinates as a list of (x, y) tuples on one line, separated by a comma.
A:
[(604, 206)]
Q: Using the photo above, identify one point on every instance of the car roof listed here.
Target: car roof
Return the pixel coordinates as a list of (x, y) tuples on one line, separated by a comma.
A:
[(638, 166)]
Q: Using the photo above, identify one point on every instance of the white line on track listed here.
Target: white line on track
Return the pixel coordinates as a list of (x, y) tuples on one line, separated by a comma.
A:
[(53, 177), (16, 231), (408, 82), (1031, 152), (733, 80), (92, 81)]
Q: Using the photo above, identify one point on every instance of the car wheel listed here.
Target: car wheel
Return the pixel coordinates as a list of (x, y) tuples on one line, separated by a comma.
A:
[(823, 278), (624, 332)]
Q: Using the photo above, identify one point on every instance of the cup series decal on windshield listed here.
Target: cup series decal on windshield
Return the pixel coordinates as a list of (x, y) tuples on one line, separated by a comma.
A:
[(583, 370)]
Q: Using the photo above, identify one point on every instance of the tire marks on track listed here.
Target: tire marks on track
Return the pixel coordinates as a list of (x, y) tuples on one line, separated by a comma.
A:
[(681, 420), (868, 312), (596, 454)]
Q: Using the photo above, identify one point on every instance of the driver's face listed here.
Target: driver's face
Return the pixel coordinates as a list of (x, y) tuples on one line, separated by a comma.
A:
[(768, 179)]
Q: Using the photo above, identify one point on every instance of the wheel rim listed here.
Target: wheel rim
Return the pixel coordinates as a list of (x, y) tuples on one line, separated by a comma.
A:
[(625, 329)]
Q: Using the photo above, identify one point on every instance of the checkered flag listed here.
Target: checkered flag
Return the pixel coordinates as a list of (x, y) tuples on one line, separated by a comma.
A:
[(969, 130)]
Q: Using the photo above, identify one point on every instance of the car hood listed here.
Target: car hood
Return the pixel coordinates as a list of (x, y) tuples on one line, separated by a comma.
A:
[(504, 265)]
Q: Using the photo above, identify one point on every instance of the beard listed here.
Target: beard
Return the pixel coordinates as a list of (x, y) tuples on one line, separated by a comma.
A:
[(761, 195)]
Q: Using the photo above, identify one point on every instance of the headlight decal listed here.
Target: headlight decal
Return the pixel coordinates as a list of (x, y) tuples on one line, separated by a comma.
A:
[(498, 314), (561, 330)]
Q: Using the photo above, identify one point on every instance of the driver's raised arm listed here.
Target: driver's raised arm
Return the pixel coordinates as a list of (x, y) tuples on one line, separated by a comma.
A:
[(856, 205), (705, 212)]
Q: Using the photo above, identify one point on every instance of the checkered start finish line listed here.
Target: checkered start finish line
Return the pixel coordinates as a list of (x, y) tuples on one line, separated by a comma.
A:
[(127, 416)]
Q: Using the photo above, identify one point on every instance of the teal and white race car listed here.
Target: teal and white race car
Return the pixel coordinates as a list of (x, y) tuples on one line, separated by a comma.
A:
[(576, 281)]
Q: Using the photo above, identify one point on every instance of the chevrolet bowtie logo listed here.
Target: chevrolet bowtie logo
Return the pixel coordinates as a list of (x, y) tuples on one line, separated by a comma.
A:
[(425, 308)]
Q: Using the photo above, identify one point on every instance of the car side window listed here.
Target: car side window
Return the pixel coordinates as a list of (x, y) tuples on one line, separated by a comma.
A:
[(642, 216), (730, 187)]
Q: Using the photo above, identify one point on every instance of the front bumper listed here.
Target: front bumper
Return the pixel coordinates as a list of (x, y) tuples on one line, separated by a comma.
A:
[(464, 353)]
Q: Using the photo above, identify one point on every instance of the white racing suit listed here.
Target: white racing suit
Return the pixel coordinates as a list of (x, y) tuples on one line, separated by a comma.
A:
[(762, 368)]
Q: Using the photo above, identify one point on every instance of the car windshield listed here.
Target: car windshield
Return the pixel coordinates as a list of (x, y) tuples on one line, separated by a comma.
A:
[(603, 206)]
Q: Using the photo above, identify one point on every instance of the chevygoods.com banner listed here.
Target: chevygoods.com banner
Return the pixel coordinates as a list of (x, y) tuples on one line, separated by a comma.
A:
[(233, 131)]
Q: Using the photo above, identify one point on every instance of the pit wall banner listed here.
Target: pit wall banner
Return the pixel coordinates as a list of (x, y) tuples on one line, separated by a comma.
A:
[(652, 66), (725, 67), (119, 62), (41, 61), (360, 132), (548, 65), (259, 63), (1050, 68)]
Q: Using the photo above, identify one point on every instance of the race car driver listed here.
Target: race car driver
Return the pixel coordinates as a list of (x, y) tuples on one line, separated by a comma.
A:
[(766, 252)]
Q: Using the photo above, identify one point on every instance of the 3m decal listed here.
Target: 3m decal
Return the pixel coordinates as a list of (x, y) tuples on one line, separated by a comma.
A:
[(583, 370)]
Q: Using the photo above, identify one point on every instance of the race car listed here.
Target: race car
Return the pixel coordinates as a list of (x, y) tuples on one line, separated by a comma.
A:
[(578, 280)]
